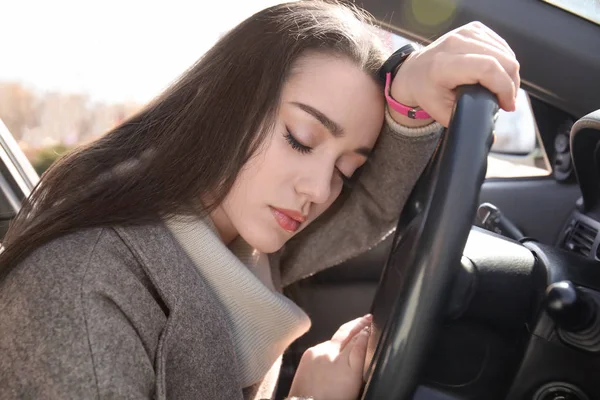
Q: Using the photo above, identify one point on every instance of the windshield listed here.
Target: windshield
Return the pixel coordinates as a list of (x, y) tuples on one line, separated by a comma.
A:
[(588, 9)]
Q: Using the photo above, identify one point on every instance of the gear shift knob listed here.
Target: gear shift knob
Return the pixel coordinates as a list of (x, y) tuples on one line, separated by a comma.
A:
[(570, 308)]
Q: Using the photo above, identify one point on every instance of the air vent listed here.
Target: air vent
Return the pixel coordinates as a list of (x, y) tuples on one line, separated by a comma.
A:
[(579, 238)]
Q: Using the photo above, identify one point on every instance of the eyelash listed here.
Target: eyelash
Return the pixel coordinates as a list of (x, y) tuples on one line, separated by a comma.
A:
[(296, 145)]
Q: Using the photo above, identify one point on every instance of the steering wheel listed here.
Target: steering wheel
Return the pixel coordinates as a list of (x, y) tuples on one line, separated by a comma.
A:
[(416, 283)]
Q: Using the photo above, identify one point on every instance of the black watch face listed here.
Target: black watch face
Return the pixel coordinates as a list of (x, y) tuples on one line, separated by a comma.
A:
[(395, 60)]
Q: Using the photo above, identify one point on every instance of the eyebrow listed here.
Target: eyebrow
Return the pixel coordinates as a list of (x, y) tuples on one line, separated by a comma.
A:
[(333, 127)]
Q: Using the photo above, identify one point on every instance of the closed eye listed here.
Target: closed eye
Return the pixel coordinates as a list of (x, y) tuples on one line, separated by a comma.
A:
[(296, 145), (347, 181)]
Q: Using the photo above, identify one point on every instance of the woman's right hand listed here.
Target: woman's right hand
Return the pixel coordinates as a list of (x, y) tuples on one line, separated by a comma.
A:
[(333, 370)]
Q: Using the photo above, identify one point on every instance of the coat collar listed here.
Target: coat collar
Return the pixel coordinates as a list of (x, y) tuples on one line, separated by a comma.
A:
[(195, 318)]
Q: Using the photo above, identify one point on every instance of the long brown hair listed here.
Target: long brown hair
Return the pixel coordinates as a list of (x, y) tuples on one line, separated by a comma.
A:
[(182, 152)]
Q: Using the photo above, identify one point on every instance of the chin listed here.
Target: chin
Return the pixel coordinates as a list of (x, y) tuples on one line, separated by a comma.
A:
[(267, 246), (263, 241)]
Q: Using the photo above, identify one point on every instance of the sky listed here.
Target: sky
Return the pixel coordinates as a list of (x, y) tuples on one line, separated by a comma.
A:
[(114, 50)]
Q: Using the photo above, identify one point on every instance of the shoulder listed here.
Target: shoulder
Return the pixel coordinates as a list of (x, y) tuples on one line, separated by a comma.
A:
[(73, 265), (67, 304), (64, 262), (59, 275)]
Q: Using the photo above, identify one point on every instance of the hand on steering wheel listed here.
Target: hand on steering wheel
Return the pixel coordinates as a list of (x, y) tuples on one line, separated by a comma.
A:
[(470, 54)]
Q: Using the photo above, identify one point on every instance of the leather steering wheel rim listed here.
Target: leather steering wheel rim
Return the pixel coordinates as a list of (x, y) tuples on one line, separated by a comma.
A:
[(432, 231)]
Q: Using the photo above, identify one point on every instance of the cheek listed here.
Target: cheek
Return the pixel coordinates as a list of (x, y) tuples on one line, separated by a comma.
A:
[(259, 178), (259, 171)]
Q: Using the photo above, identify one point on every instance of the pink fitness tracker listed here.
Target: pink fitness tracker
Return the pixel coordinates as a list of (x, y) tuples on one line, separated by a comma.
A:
[(387, 72)]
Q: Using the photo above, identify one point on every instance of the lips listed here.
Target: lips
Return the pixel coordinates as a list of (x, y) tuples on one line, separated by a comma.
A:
[(289, 220)]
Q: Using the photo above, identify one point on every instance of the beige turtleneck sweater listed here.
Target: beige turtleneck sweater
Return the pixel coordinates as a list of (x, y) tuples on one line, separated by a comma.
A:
[(263, 322)]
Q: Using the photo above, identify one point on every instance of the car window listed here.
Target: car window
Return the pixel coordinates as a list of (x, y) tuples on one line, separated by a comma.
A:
[(517, 150), (587, 9), (72, 70), (48, 123)]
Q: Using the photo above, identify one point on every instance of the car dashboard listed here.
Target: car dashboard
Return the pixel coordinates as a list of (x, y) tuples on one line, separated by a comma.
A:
[(581, 231), (546, 293), (562, 357)]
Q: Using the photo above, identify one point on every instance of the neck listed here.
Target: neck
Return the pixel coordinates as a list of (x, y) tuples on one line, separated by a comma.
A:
[(226, 230)]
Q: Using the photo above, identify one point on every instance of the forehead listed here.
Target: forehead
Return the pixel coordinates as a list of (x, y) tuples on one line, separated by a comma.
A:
[(342, 91)]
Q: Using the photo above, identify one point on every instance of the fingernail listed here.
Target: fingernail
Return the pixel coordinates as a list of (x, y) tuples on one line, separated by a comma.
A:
[(368, 316)]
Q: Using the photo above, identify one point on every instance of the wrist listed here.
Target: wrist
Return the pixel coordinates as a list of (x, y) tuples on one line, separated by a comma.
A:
[(397, 128), (400, 93), (406, 121), (402, 106), (395, 74), (399, 88)]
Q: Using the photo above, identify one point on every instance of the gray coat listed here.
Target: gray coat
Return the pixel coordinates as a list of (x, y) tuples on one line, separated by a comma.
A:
[(123, 312)]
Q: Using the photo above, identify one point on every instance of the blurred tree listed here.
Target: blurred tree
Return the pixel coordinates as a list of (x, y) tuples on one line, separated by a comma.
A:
[(47, 123), (18, 108), (45, 157)]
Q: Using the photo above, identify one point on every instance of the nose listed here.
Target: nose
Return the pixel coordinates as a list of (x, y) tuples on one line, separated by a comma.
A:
[(316, 183)]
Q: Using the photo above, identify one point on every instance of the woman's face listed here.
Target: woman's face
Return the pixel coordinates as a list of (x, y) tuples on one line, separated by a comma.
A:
[(330, 116)]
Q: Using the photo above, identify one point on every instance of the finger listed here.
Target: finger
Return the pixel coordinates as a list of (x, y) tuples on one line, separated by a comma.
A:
[(356, 350), (480, 35), (480, 30), (484, 37), (463, 69), (347, 331), (498, 39), (506, 59), (511, 63)]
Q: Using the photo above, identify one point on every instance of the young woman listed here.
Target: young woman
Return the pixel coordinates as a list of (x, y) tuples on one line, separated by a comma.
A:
[(149, 263)]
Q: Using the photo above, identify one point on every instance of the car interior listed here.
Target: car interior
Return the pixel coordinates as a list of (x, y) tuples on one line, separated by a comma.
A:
[(488, 288), (525, 324)]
